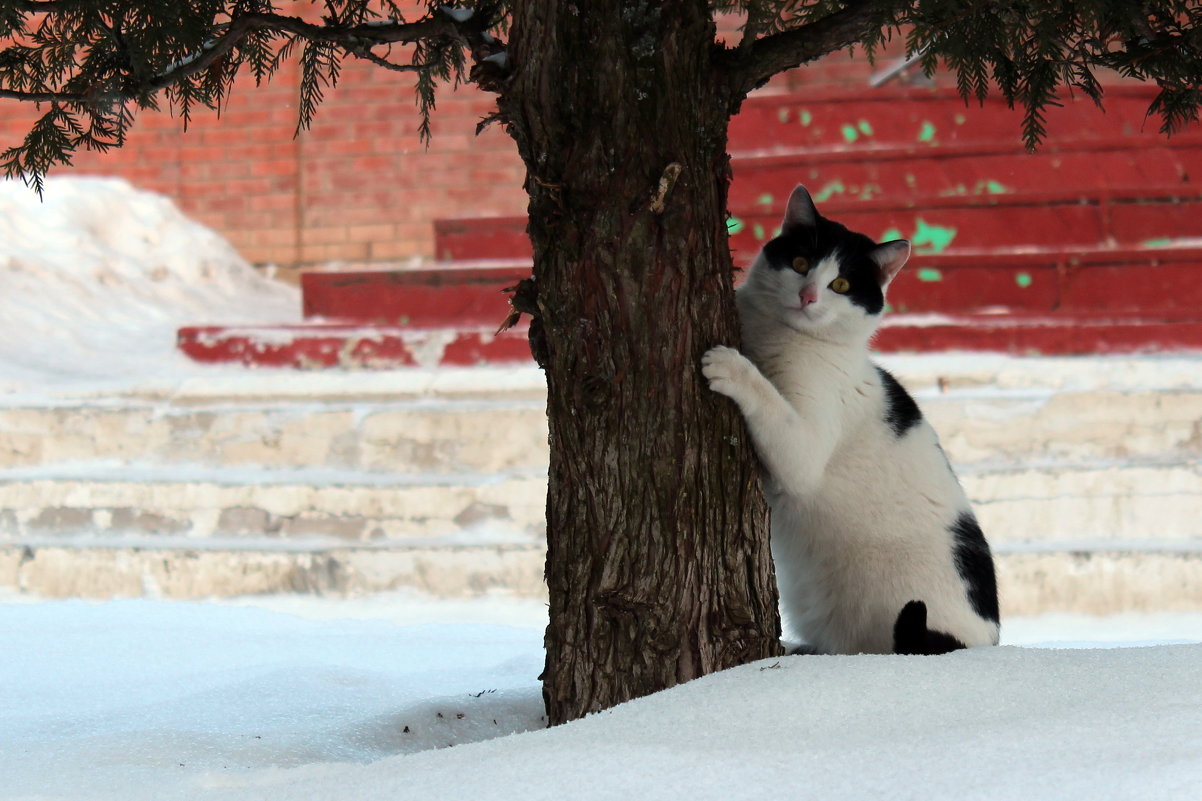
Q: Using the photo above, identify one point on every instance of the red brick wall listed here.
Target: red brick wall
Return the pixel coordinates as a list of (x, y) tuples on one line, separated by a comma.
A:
[(359, 186)]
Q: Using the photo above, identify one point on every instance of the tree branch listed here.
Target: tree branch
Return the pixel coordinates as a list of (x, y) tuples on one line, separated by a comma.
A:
[(749, 67), (356, 39), (40, 6)]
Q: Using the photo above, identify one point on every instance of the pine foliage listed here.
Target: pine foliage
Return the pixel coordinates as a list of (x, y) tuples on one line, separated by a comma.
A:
[(91, 64)]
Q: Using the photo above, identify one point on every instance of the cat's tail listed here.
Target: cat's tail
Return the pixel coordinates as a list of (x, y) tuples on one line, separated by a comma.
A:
[(911, 635)]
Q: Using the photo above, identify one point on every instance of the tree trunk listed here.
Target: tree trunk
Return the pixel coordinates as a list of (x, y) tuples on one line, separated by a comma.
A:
[(658, 561)]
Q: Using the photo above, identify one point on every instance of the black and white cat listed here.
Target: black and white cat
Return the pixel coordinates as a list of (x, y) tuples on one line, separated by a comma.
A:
[(876, 547)]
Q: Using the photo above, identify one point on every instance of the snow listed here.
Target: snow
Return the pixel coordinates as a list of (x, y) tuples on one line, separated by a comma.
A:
[(124, 270), (305, 698)]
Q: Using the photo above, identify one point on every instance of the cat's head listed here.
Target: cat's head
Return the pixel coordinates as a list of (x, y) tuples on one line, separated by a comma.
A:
[(820, 278)]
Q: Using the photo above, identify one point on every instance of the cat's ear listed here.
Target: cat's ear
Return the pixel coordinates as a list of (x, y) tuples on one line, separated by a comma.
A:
[(889, 258), (800, 212)]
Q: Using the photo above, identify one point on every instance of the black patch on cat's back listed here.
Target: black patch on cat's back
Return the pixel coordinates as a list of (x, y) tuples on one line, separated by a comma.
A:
[(911, 635), (974, 563), (901, 412)]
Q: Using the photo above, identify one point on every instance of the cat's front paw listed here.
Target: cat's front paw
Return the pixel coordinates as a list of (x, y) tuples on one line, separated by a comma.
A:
[(729, 372)]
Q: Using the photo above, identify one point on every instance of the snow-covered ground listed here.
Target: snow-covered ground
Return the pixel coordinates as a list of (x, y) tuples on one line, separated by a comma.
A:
[(293, 699)]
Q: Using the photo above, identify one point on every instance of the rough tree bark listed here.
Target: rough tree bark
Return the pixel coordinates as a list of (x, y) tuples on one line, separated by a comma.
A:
[(658, 560)]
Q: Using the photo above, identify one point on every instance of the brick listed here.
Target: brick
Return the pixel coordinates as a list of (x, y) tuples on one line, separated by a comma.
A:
[(321, 236)]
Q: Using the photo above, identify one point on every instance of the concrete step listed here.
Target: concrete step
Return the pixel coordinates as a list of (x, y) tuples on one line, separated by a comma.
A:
[(305, 508), (182, 571), (1085, 474), (987, 409), (465, 436), (1095, 506), (1030, 582), (1048, 503)]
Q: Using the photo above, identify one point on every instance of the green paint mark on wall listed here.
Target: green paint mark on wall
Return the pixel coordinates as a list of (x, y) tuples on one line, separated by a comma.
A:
[(864, 127), (1024, 280), (850, 133), (931, 238), (782, 114), (890, 235), (929, 274), (927, 132), (758, 231), (1158, 242), (888, 308), (734, 225), (765, 199), (960, 119), (825, 193), (868, 191), (805, 117)]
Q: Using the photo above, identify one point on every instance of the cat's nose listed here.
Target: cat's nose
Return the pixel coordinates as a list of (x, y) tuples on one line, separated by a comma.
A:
[(808, 295)]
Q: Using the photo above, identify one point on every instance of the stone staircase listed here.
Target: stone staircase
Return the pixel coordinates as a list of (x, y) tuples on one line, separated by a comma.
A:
[(1085, 473)]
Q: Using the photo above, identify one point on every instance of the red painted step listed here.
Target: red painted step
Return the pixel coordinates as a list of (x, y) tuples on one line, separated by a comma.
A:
[(1152, 280), (1033, 335), (932, 118), (357, 347), (1059, 220), (483, 237), (764, 182), (448, 295), (1069, 220), (384, 347)]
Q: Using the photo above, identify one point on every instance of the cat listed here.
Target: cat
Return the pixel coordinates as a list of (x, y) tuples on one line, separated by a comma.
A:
[(875, 545)]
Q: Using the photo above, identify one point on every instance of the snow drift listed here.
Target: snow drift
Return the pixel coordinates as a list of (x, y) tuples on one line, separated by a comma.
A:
[(97, 277)]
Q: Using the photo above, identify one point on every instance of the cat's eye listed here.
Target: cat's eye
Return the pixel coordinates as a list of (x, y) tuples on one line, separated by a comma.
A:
[(801, 264), (841, 285)]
